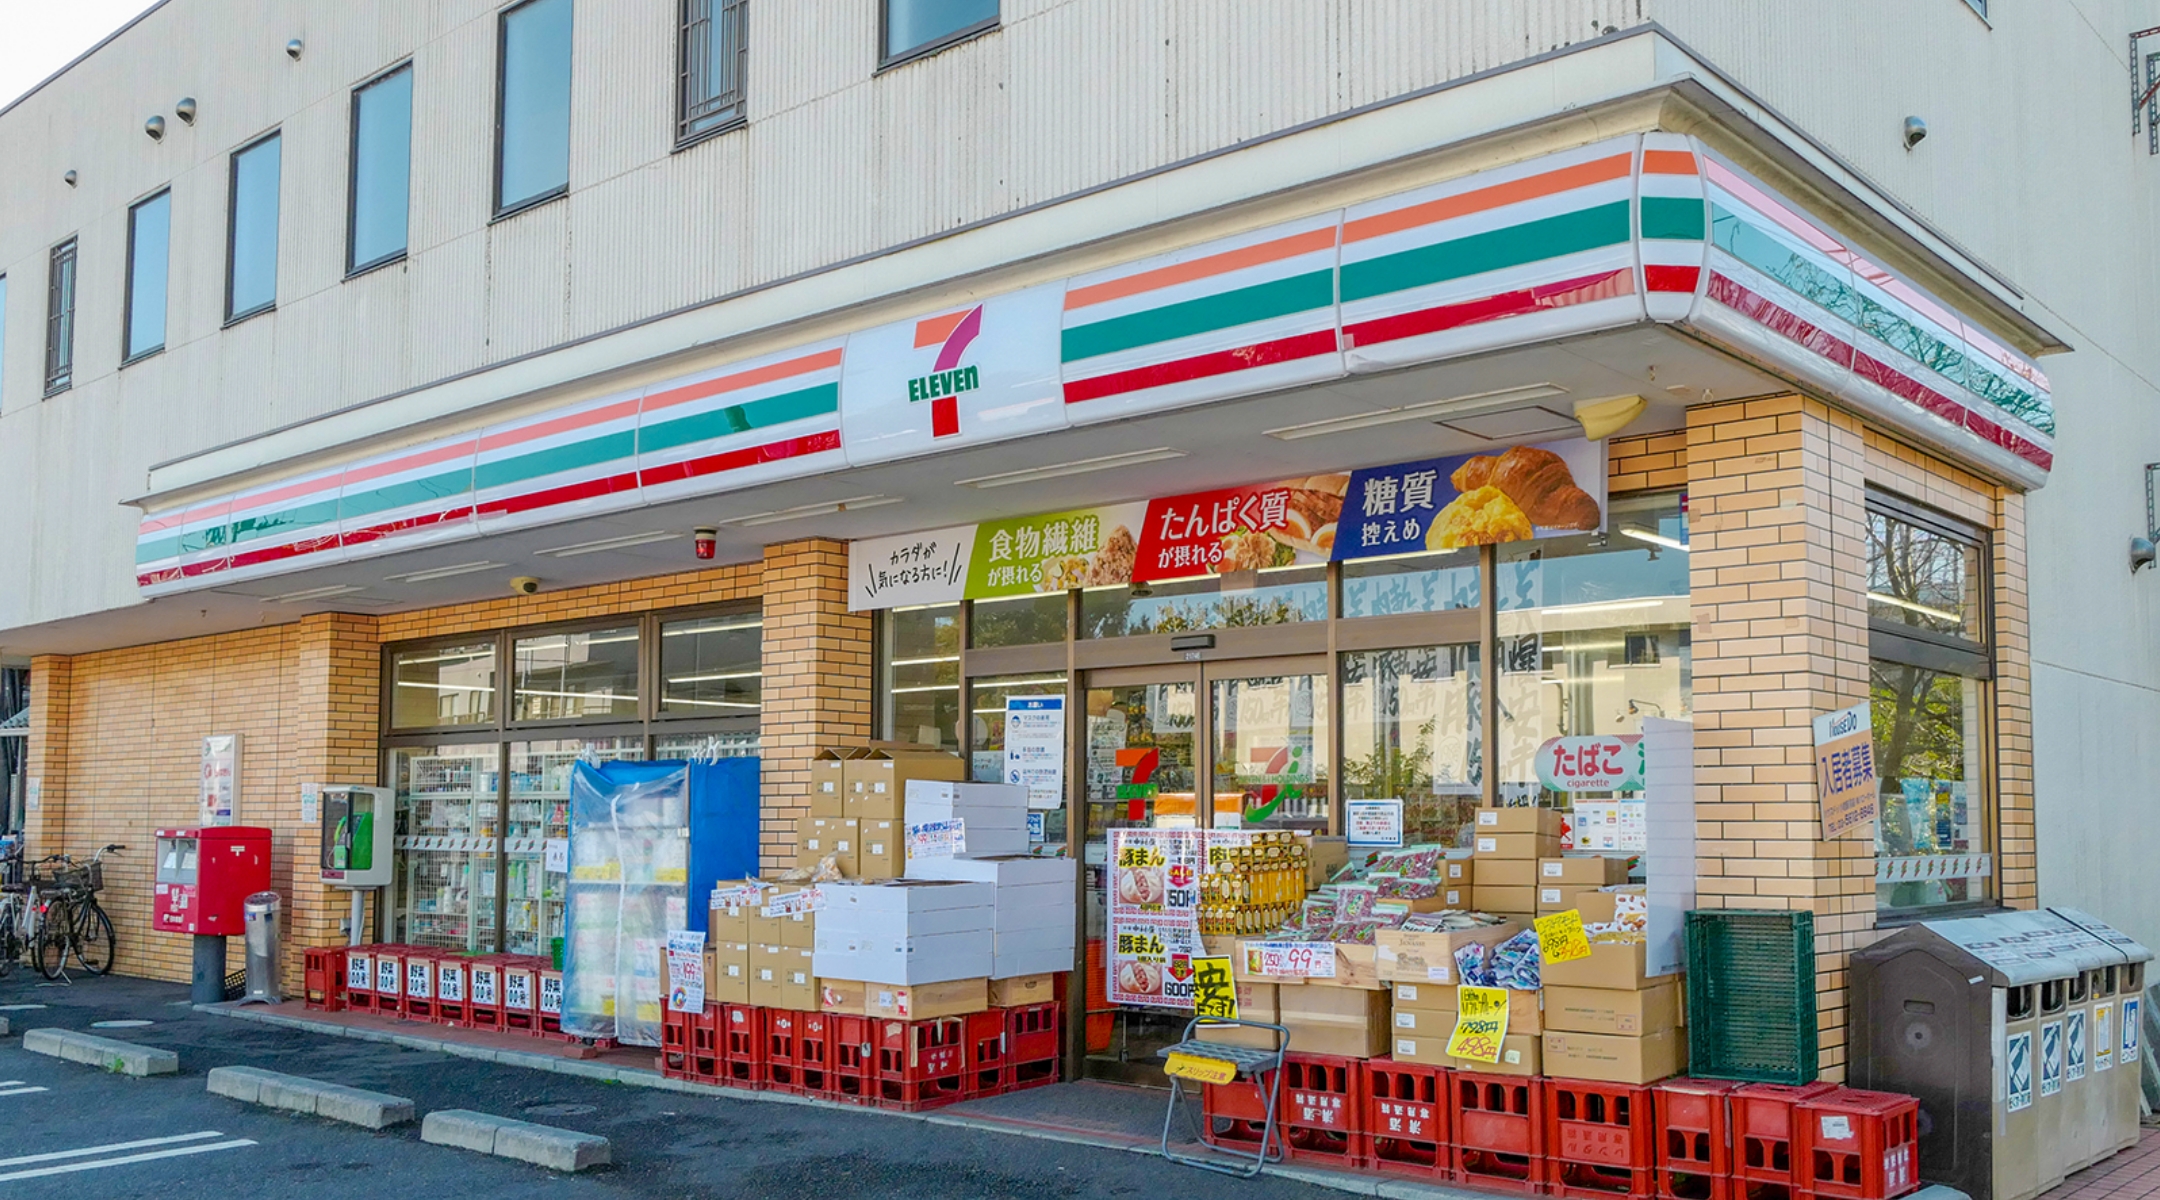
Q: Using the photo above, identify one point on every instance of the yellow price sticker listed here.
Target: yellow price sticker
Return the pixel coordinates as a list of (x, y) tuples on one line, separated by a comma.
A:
[(1200, 1070), (1561, 937), (1214, 994), (1480, 1023)]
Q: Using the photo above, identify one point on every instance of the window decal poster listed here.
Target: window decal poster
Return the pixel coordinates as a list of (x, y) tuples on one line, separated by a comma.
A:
[(1154, 915), (1510, 495)]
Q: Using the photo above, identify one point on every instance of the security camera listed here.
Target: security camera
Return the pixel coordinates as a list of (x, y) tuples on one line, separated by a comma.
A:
[(1915, 132), (524, 585)]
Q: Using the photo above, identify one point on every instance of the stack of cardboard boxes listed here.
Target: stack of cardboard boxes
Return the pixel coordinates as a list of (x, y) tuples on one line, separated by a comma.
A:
[(905, 949), (1419, 970), (1605, 1018), (1562, 881), (751, 958), (1506, 848), (858, 807), (1034, 924)]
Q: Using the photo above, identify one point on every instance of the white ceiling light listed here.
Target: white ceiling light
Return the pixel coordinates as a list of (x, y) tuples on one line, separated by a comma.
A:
[(1078, 466), (1454, 406), (318, 593), (809, 510), (1655, 539), (442, 572), (613, 543)]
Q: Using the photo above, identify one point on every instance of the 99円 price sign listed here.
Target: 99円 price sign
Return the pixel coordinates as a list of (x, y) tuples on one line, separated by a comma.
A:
[(1294, 960)]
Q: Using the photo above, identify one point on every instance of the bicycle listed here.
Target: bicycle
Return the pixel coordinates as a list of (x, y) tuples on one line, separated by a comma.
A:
[(15, 922), (69, 919)]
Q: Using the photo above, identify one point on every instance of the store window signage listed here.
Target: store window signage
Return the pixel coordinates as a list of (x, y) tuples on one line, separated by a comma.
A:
[(1605, 763), (1845, 769), (1280, 524), (1089, 547), (914, 568)]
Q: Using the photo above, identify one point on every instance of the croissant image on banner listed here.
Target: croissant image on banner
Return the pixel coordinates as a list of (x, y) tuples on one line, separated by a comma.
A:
[(1537, 480)]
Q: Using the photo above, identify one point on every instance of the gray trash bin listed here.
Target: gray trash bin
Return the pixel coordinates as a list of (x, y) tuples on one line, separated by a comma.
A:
[(261, 919), (1976, 1016)]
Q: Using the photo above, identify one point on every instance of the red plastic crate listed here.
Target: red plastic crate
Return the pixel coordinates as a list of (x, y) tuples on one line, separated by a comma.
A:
[(1600, 1139), (547, 1012), (419, 986), (360, 978), (484, 1004), (783, 1062), (390, 980), (1856, 1145), (703, 1056), (1499, 1127), (922, 1064), (323, 978), (1034, 1045), (453, 990), (740, 1033), (1764, 1161), (1323, 1109), (1406, 1120), (675, 1041), (813, 1050), (987, 1052), (521, 994), (1234, 1114), (1695, 1144), (851, 1059)]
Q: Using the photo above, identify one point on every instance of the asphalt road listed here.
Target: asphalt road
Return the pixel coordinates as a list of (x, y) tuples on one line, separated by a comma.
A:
[(665, 1143)]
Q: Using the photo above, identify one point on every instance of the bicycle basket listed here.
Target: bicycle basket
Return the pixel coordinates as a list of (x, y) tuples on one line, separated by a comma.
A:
[(94, 876), (70, 879)]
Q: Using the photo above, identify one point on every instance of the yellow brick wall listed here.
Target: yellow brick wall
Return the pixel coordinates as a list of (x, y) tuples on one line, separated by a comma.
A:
[(817, 681)]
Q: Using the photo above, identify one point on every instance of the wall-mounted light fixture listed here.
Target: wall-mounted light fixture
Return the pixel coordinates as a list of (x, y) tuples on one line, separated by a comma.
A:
[(68, 179), (1915, 132), (185, 110)]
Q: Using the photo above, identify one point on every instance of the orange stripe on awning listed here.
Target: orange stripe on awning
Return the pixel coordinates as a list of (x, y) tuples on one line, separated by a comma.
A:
[(1498, 195), (822, 360), (1201, 268), (932, 331), (1668, 162)]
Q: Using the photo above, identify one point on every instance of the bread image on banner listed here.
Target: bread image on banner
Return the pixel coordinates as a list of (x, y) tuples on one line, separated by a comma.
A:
[(1510, 495)]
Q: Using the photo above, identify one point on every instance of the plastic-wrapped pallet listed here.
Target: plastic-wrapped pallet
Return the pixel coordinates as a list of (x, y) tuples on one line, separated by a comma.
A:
[(629, 885), (1036, 909), (992, 819)]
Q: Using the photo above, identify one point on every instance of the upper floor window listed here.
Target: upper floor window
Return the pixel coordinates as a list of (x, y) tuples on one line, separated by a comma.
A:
[(60, 318), (713, 56), (919, 26), (532, 105), (149, 253), (381, 170), (252, 238)]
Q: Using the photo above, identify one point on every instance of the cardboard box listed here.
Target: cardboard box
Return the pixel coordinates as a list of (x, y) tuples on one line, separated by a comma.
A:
[(1519, 1054), (1543, 821), (1626, 1013), (922, 1001), (1461, 898), (1588, 871), (1431, 1001), (844, 996), (1507, 872), (729, 923), (1613, 1058), (727, 976), (1256, 1002), (1461, 871), (1429, 957), (907, 932), (1513, 845), (1335, 1020), (829, 835), (781, 977), (1013, 964), (1617, 966), (1504, 899), (828, 780), (993, 815), (1601, 907), (1430, 1050), (1323, 855), (876, 783), (1558, 897), (881, 848), (1023, 990), (796, 929)]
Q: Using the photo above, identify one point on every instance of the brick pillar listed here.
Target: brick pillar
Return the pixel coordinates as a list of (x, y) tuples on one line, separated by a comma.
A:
[(1776, 516), (817, 681), (2017, 866), (52, 695), (335, 659)]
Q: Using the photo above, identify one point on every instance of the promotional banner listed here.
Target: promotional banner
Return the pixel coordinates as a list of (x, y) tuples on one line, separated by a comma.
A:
[(1154, 901), (913, 568), (1087, 547), (1481, 1023), (1845, 768), (1035, 748), (220, 778), (1474, 500), (685, 971), (1249, 528), (1595, 763)]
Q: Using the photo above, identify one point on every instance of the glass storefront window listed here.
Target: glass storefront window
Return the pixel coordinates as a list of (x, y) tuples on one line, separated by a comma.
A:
[(1410, 583), (590, 673), (986, 726), (1275, 596), (1922, 579), (921, 656), (1018, 621), (1927, 754), (540, 811), (1411, 729), (444, 891), (1594, 635), (722, 744), (712, 666), (443, 685), (1271, 752)]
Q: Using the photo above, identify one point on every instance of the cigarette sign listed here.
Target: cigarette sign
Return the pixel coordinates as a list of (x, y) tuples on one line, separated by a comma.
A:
[(1845, 768)]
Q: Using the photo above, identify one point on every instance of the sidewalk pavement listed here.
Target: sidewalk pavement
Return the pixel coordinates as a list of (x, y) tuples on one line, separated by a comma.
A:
[(2133, 1174)]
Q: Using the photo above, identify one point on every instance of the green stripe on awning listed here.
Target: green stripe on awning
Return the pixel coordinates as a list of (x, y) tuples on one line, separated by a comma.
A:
[(1202, 314), (762, 413), (1672, 218), (1494, 250)]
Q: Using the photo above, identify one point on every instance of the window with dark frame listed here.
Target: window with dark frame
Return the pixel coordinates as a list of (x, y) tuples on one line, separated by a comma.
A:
[(252, 229), (380, 181), (60, 319), (912, 28), (1929, 667), (149, 265), (714, 55), (532, 105)]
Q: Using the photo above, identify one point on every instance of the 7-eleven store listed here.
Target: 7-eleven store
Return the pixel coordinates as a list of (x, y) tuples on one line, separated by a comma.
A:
[(1180, 452)]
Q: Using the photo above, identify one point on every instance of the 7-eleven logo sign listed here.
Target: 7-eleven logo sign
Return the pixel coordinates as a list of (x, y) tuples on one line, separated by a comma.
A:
[(951, 333)]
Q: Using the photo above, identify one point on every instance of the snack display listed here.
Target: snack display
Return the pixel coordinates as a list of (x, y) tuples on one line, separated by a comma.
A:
[(1514, 962)]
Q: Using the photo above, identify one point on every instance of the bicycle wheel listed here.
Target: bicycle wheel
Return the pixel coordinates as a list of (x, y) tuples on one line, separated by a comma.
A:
[(11, 946), (52, 941), (93, 939)]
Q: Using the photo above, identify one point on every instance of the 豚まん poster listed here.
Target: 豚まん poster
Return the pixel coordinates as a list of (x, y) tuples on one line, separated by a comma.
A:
[(1153, 894)]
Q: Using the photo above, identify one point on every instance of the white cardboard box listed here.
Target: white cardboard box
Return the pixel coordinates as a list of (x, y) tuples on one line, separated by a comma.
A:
[(1005, 871), (1031, 962), (941, 796), (909, 895), (899, 926), (934, 958)]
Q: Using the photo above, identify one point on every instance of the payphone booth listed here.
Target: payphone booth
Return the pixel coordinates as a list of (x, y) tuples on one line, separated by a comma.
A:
[(357, 827)]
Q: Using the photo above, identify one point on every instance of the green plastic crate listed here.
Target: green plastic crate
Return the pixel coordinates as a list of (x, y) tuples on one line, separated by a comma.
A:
[(1751, 995)]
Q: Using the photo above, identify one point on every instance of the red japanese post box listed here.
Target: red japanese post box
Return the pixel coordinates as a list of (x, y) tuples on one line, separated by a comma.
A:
[(205, 875)]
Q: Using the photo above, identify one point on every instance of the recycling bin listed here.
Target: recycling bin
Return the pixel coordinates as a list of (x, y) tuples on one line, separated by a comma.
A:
[(2117, 1036), (1974, 1016), (263, 939)]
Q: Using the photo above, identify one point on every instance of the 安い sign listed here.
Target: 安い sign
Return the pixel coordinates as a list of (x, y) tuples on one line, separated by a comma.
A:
[(1845, 768), (1602, 763), (1214, 994)]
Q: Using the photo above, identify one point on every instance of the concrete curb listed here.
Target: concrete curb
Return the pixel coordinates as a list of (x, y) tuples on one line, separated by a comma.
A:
[(541, 1145), (3, 1026), (124, 1058), (332, 1101), (1357, 1185)]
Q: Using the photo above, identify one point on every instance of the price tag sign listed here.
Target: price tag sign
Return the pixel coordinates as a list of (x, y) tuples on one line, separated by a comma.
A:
[(1480, 1023), (808, 900), (1200, 1070), (742, 895), (937, 839), (1295, 960), (1561, 937), (1214, 995)]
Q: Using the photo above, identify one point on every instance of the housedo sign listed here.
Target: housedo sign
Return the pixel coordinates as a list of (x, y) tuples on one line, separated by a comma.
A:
[(1845, 768)]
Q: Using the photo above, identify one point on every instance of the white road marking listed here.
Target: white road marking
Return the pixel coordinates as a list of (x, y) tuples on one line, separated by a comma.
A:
[(11, 1083), (5, 1090), (108, 1147), (96, 1164)]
